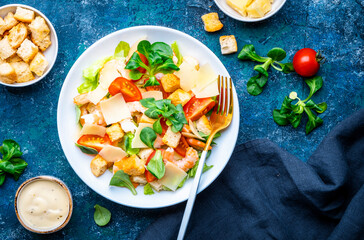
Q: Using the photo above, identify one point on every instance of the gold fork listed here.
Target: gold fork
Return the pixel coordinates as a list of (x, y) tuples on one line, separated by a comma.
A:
[(220, 119)]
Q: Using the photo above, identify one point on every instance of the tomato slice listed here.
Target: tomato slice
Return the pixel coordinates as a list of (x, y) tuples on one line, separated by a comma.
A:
[(197, 107), (199, 145), (94, 141), (150, 177), (129, 90), (181, 149), (144, 60), (164, 127)]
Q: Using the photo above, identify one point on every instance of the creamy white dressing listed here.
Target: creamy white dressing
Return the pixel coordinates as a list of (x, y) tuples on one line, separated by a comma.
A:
[(43, 205)]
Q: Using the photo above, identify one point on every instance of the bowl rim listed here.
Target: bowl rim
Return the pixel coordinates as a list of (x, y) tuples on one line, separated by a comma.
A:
[(44, 178), (246, 19), (17, 85)]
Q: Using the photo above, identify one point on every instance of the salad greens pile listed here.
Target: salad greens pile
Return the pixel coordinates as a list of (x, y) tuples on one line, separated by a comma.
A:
[(11, 162), (274, 57), (292, 113), (102, 216), (159, 56)]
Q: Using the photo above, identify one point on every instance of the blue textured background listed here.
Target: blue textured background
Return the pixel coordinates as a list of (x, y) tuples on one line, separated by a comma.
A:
[(28, 115)]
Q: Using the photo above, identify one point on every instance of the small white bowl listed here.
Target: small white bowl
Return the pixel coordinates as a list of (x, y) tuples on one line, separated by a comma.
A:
[(50, 53), (276, 6)]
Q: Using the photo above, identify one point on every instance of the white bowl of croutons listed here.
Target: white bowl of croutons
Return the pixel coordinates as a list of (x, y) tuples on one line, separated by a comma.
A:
[(28, 45), (250, 10)]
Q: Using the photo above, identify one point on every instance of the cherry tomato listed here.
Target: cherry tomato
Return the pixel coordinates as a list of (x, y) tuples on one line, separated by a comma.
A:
[(306, 62), (164, 127), (199, 145), (129, 90), (94, 141), (181, 149), (197, 107), (144, 60), (150, 177)]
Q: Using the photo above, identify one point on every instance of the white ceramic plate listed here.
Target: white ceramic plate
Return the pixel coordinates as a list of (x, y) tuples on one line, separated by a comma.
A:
[(276, 6), (67, 126), (50, 53)]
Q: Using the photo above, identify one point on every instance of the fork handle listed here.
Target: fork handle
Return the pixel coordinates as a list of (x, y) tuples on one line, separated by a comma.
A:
[(192, 197)]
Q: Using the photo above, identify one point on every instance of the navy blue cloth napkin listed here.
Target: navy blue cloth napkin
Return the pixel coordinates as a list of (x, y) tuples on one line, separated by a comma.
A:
[(267, 193)]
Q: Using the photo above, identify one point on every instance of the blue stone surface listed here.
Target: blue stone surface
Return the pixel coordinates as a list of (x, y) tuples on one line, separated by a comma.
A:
[(28, 115)]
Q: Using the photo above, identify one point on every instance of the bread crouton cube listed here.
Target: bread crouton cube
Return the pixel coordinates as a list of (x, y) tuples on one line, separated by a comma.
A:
[(38, 64), (171, 138), (170, 82), (140, 179), (145, 119), (10, 21), (115, 132), (132, 165), (212, 22), (179, 97), (24, 15), (7, 73), (17, 35), (23, 72), (14, 58), (27, 50), (2, 26), (6, 50), (40, 31), (203, 125), (44, 44), (98, 166), (228, 44)]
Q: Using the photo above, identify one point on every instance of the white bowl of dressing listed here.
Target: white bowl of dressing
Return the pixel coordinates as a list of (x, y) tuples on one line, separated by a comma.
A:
[(43, 204)]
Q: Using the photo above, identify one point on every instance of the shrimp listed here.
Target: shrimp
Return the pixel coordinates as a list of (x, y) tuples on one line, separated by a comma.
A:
[(189, 161), (158, 143), (81, 99), (92, 114), (168, 155)]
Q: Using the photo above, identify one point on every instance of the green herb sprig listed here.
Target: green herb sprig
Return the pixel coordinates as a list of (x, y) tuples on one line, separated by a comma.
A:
[(159, 57), (274, 57), (11, 162), (292, 113)]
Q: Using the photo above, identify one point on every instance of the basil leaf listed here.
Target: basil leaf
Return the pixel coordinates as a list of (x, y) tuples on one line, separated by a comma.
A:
[(154, 58), (14, 166), (277, 54), (10, 149), (87, 150), (122, 49), (121, 179), (180, 115), (294, 119), (128, 138), (157, 127), (248, 53), (144, 48), (314, 83), (176, 51), (260, 69), (162, 49), (284, 67), (148, 136), (2, 177), (156, 165), (148, 189), (134, 62), (102, 216), (135, 74)]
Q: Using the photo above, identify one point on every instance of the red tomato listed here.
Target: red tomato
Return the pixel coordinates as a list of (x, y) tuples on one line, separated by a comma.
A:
[(197, 107), (164, 126), (94, 141), (306, 62), (122, 85), (157, 88), (150, 177), (181, 149), (144, 60)]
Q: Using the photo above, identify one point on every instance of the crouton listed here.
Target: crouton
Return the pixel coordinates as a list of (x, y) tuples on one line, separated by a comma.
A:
[(171, 138), (115, 132), (40, 33), (192, 61), (145, 119), (6, 50), (7, 73), (24, 15), (98, 166), (23, 72), (38, 64), (10, 21), (179, 97), (212, 22), (2, 26), (228, 44), (17, 35), (203, 125), (144, 154), (132, 165), (14, 58), (44, 44), (141, 179), (170, 82), (27, 50), (156, 185)]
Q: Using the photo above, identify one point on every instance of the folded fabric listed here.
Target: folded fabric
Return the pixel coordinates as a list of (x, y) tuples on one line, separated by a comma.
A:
[(267, 193)]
